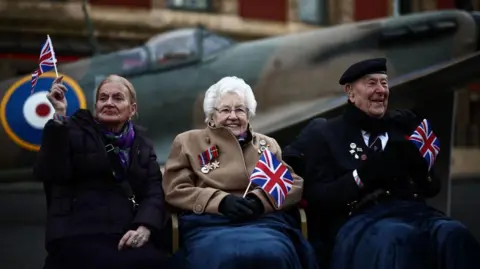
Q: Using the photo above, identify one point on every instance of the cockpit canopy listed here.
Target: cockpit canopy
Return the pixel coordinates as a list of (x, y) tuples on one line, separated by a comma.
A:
[(185, 44), (163, 51)]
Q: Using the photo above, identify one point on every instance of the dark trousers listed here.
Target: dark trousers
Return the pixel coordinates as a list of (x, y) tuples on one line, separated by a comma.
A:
[(102, 252)]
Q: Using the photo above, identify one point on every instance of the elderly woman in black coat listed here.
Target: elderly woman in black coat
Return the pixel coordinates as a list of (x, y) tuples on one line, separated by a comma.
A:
[(102, 182)]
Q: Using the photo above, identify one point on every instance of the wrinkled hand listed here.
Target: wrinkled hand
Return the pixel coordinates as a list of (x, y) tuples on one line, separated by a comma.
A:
[(135, 238), (56, 96)]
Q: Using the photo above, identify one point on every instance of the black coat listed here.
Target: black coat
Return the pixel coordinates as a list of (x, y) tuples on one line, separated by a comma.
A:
[(83, 197), (321, 155)]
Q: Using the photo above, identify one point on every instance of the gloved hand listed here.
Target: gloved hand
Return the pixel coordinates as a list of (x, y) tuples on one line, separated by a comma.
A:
[(236, 208), (416, 165), (256, 204), (382, 168)]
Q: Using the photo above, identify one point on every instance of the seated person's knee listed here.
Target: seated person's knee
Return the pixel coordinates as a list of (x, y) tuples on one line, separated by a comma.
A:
[(395, 232)]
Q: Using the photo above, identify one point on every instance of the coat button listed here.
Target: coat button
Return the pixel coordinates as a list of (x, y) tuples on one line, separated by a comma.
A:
[(198, 208), (429, 179), (415, 195)]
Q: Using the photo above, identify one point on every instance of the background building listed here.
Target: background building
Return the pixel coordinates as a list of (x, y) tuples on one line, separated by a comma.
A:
[(102, 26)]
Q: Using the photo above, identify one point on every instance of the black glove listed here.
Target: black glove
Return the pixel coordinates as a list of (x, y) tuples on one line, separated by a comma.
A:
[(381, 168), (255, 204), (416, 165), (236, 208)]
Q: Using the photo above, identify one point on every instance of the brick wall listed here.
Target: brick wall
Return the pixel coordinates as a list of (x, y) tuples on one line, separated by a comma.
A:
[(270, 10)]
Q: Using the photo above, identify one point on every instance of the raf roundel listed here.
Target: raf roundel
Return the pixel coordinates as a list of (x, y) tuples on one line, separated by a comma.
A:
[(23, 115)]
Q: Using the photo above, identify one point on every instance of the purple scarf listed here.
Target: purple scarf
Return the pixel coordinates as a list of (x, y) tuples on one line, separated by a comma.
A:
[(243, 139), (122, 142)]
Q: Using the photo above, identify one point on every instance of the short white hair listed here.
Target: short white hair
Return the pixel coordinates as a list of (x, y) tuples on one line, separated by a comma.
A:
[(229, 85)]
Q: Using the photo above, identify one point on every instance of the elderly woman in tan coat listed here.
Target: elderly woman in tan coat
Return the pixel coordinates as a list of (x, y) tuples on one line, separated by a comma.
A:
[(225, 222)]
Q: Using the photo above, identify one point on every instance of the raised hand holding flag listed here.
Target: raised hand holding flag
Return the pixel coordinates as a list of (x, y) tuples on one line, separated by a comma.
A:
[(426, 141), (273, 177), (46, 62)]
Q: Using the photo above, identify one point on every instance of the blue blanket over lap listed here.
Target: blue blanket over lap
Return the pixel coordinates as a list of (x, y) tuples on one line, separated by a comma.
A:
[(213, 241), (404, 235)]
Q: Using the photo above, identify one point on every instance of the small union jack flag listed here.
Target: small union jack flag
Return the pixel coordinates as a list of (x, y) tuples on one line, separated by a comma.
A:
[(426, 141), (273, 177), (46, 62)]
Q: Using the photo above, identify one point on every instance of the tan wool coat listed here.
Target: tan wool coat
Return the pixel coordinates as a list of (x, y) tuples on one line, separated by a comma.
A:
[(188, 188)]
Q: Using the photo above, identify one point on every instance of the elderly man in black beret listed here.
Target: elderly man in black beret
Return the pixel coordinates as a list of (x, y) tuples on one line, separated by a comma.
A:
[(367, 174)]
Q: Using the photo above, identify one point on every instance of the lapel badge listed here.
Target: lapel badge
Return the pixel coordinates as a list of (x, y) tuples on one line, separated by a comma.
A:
[(205, 158), (354, 150), (263, 146)]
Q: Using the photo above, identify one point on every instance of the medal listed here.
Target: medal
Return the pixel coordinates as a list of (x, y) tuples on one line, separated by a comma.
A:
[(215, 164), (353, 145), (205, 169), (205, 159)]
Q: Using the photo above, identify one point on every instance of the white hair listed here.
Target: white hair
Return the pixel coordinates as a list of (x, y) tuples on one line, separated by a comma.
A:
[(228, 85)]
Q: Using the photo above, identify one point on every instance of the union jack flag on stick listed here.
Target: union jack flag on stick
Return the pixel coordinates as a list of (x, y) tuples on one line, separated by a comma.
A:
[(273, 177), (426, 141), (46, 62)]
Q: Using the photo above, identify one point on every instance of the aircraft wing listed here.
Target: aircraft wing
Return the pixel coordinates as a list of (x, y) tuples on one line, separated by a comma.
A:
[(404, 89), (293, 113), (439, 77)]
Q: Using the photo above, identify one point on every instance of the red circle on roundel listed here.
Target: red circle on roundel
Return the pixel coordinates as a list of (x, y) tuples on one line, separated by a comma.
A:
[(42, 110)]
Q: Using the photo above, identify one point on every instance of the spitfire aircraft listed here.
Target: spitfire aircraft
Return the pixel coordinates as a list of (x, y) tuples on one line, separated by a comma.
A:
[(295, 78)]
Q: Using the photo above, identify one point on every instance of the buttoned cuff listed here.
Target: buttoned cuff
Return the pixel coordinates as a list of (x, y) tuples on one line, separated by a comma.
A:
[(208, 201)]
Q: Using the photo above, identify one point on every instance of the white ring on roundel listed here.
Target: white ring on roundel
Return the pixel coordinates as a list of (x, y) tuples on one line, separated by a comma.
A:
[(30, 110)]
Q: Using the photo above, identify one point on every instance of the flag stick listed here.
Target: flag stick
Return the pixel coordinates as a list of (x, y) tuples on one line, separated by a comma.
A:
[(248, 187), (53, 54)]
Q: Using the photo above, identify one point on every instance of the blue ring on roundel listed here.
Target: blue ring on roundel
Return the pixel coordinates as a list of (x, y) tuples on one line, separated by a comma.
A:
[(14, 106)]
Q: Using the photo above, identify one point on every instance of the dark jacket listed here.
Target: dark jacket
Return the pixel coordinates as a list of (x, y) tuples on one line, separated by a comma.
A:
[(321, 155), (83, 197)]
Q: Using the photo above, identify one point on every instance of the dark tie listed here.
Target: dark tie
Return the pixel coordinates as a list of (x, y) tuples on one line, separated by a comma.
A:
[(374, 142)]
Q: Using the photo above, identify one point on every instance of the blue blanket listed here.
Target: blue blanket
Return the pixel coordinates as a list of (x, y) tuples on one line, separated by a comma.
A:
[(404, 235), (212, 241)]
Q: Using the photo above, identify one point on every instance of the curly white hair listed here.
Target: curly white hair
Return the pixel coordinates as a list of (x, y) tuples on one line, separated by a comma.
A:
[(225, 85)]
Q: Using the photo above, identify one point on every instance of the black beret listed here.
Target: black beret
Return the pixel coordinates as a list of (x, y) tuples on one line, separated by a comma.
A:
[(362, 68)]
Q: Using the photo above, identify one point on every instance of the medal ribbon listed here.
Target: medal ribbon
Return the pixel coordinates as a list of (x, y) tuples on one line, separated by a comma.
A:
[(208, 155)]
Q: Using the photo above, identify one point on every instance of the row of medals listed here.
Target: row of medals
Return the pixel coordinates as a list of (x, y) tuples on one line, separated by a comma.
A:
[(216, 164)]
